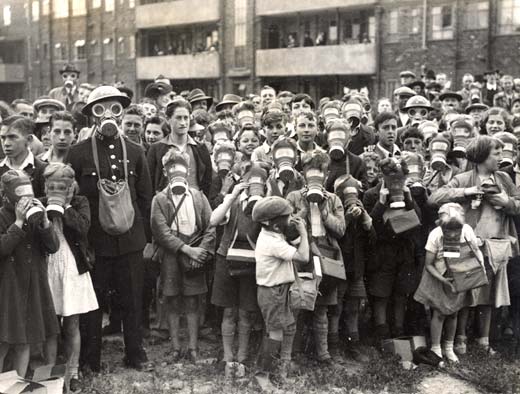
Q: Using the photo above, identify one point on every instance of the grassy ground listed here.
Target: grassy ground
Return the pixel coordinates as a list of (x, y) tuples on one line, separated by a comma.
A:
[(476, 373)]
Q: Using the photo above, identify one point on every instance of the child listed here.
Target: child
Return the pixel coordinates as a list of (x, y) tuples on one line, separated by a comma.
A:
[(436, 289), (275, 259), (180, 215), (69, 277), (26, 307)]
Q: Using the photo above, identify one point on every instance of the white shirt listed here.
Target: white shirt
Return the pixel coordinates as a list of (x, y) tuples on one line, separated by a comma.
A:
[(274, 257), (386, 153), (185, 222), (29, 160)]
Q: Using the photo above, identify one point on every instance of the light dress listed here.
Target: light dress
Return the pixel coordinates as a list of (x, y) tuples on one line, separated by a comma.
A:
[(72, 293)]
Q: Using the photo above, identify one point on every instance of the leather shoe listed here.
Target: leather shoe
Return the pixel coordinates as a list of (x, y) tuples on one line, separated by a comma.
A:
[(138, 365)]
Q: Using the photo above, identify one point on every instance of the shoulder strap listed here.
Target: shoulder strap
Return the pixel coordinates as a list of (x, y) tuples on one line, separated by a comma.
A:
[(175, 207), (125, 157), (95, 154)]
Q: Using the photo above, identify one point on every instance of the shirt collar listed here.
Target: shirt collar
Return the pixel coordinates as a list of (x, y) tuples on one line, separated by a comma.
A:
[(29, 160), (189, 141), (387, 153), (267, 147), (314, 147), (46, 156)]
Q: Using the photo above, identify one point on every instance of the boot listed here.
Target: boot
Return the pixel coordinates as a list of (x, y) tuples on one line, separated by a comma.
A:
[(334, 349)]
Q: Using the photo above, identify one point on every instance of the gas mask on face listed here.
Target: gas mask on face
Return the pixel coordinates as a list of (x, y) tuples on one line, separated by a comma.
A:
[(394, 179), (509, 151), (415, 163), (314, 178), (347, 189), (461, 132), (224, 156), (257, 178), (284, 156), (439, 148), (337, 138), (22, 187), (451, 218), (57, 190), (177, 178), (107, 117)]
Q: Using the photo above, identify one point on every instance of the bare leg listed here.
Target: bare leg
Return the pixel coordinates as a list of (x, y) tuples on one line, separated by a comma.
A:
[(174, 310), (192, 317), (21, 359), (72, 343)]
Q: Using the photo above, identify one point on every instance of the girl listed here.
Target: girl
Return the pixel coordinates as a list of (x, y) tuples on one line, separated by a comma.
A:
[(371, 160), (436, 289), (155, 129), (26, 307), (494, 120), (69, 278), (180, 215)]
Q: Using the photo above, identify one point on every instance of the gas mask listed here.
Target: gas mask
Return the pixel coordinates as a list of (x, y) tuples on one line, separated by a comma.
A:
[(257, 178), (224, 156), (508, 154), (395, 181), (415, 164), (57, 190), (284, 157), (19, 188), (439, 148), (451, 234), (461, 139), (337, 138), (347, 189), (107, 117), (177, 177), (314, 179)]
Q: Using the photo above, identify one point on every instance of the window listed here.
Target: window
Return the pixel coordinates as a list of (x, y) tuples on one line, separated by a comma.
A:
[(94, 48), (509, 16), (60, 8), (96, 3), (393, 24), (7, 15), (131, 47), (60, 52), (442, 22), (109, 5), (35, 10), (131, 3), (240, 32), (79, 7), (45, 7), (108, 49), (80, 51), (477, 15), (121, 45), (415, 19)]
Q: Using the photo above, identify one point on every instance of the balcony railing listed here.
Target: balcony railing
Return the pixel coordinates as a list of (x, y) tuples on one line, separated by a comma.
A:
[(12, 73), (279, 7), (180, 12), (198, 66), (354, 59)]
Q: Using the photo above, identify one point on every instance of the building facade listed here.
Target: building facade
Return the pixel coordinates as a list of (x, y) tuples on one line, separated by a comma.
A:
[(224, 46)]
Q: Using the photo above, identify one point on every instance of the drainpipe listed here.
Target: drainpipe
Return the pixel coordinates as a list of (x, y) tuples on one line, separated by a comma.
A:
[(221, 82), (425, 16), (491, 23), (379, 50)]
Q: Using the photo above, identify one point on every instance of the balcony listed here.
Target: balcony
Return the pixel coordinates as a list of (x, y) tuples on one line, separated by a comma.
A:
[(12, 73), (279, 7), (353, 59), (178, 12), (203, 65)]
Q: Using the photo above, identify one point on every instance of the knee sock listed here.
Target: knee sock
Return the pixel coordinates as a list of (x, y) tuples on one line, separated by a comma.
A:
[(287, 342), (437, 350), (320, 327), (244, 331), (228, 337)]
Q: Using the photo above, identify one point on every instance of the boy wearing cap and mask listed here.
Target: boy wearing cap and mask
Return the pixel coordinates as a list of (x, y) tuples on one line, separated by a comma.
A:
[(275, 259), (180, 216), (362, 135)]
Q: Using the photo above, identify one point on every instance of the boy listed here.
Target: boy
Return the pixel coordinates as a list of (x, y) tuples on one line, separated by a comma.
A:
[(274, 274)]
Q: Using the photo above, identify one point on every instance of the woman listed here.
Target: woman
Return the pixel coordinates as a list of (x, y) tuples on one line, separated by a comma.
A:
[(494, 120), (69, 278), (155, 129), (490, 202)]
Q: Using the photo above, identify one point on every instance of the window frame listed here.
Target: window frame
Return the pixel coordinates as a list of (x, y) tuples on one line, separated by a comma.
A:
[(510, 28), (7, 10), (445, 32), (240, 33), (473, 14)]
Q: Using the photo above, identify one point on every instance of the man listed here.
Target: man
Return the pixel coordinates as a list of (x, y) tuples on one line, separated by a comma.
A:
[(407, 77), (61, 136), (386, 128), (228, 102), (119, 258), (442, 80), (16, 138), (362, 135), (450, 101), (68, 93), (267, 95), (401, 96), (285, 98), (198, 100), (84, 91), (161, 92), (23, 107), (508, 91), (467, 81), (491, 87), (132, 124), (45, 106)]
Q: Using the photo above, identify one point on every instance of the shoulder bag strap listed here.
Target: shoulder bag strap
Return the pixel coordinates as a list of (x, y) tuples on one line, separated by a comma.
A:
[(175, 207), (125, 157), (95, 154), (473, 251)]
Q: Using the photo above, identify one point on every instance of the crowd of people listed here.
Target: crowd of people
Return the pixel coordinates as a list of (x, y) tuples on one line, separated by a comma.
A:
[(272, 216)]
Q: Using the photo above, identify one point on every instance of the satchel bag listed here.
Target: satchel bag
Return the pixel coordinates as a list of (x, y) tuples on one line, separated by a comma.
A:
[(401, 220), (303, 292), (240, 257), (498, 251), (116, 212), (468, 273), (330, 256), (187, 264)]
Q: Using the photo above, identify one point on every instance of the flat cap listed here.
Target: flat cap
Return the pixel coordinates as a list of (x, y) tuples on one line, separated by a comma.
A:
[(271, 207), (404, 91)]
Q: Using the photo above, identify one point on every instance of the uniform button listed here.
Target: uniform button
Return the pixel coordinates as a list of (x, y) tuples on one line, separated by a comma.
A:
[(112, 157), (114, 177), (114, 166), (93, 173), (111, 146)]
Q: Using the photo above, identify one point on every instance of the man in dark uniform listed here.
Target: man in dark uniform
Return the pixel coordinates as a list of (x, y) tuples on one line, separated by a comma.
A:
[(119, 258)]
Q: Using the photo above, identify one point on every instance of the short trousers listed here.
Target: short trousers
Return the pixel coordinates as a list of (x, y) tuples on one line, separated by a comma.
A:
[(275, 307), (174, 282)]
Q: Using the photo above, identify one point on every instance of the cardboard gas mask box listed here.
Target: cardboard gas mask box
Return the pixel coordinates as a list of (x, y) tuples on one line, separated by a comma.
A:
[(404, 346), (48, 379)]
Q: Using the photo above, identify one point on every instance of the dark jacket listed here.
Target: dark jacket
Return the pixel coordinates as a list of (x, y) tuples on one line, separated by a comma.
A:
[(76, 223), (202, 157), (366, 136), (35, 174), (339, 167), (111, 167)]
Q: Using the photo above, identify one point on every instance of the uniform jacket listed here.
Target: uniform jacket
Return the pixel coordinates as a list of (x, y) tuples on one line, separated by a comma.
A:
[(338, 168), (111, 166)]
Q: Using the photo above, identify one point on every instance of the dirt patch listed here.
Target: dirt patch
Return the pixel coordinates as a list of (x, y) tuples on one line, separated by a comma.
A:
[(445, 384)]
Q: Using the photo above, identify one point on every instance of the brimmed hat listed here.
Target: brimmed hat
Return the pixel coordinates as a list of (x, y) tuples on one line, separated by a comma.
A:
[(103, 93), (269, 208), (156, 89), (447, 94), (472, 106), (46, 101), (418, 101), (404, 91), (228, 99), (69, 68), (419, 83), (199, 95), (407, 73)]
